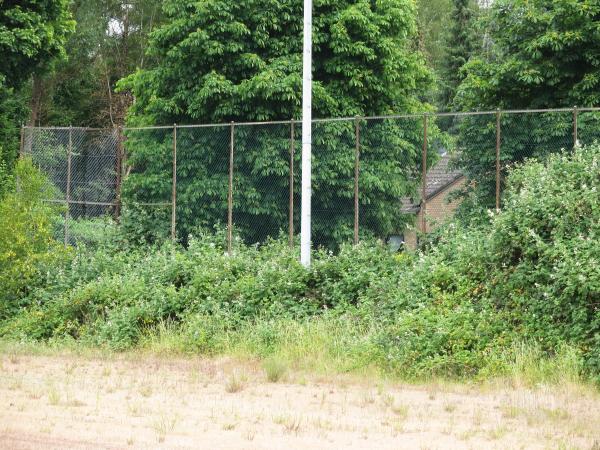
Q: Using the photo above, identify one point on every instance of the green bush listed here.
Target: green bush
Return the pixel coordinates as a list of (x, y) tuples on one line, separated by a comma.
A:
[(28, 251), (460, 308), (532, 273)]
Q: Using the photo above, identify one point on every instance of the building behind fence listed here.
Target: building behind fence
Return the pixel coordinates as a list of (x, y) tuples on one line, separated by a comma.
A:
[(391, 177)]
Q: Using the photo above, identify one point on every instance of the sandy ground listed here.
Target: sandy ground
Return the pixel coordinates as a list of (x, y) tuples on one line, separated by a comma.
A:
[(64, 402)]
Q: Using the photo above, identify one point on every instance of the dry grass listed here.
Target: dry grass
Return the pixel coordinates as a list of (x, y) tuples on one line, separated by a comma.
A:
[(130, 401), (235, 383)]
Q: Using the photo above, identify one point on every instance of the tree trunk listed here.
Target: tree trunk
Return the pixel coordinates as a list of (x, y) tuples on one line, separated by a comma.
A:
[(36, 101)]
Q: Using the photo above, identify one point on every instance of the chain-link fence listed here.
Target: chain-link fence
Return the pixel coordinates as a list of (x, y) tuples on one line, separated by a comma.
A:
[(394, 177)]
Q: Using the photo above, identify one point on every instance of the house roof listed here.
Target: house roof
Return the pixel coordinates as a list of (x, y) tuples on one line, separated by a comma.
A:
[(439, 177)]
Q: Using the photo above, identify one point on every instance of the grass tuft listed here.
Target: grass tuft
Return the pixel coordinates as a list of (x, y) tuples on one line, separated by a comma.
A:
[(275, 369)]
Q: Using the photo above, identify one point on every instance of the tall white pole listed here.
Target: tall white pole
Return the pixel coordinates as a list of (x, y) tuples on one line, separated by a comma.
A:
[(306, 137)]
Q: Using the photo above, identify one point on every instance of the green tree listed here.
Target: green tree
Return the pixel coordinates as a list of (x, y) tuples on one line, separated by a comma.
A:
[(459, 49), (32, 34), (219, 61), (541, 54), (433, 19), (108, 44), (544, 55)]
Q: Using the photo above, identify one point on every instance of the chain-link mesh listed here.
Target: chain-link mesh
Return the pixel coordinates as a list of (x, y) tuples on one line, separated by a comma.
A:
[(588, 127), (203, 159), (368, 174), (82, 164), (332, 182), (389, 181), (147, 188)]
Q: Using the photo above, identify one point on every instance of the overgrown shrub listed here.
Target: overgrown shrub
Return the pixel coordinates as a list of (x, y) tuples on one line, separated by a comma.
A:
[(28, 251), (460, 308), (532, 273)]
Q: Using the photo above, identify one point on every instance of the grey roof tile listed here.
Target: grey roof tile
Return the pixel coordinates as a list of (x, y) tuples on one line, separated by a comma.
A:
[(438, 177)]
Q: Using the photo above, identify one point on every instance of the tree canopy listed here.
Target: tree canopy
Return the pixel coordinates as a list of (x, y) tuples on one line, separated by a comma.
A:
[(220, 61), (539, 54), (460, 48), (108, 44), (544, 54), (32, 35)]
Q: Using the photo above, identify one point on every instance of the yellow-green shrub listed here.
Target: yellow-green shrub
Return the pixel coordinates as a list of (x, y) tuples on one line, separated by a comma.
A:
[(27, 246)]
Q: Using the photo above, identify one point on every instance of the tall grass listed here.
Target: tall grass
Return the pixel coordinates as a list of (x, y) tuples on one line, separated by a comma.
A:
[(330, 344)]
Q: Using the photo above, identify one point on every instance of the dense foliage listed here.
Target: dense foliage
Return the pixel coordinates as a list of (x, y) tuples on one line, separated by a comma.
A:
[(461, 46), (32, 34), (219, 61), (543, 54), (108, 43), (27, 247), (540, 54), (531, 274)]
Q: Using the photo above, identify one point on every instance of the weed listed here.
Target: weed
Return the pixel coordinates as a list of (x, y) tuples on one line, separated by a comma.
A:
[(367, 398), (134, 409), (510, 412), (235, 383), (497, 432), (163, 425), (322, 424), (387, 400), (449, 407), (275, 369), (70, 368), (400, 410), (477, 417), (466, 435), (290, 423), (15, 383), (556, 414), (145, 390), (53, 396), (75, 403)]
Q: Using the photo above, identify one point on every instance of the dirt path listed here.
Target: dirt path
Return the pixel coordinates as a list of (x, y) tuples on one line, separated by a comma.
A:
[(84, 403)]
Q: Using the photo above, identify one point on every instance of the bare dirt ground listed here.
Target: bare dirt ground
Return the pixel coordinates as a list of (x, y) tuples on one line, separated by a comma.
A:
[(61, 402)]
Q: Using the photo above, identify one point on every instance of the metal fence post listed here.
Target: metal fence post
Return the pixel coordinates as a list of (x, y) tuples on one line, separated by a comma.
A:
[(291, 202), (424, 178), (575, 117), (21, 149), (174, 187), (68, 189), (22, 143), (356, 174), (119, 172), (498, 160), (230, 194)]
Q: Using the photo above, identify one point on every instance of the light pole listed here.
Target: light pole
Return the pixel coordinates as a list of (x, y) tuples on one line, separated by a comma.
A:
[(305, 221)]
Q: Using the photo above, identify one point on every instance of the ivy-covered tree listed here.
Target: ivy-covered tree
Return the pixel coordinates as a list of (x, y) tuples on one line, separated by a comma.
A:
[(221, 61), (542, 54), (32, 34)]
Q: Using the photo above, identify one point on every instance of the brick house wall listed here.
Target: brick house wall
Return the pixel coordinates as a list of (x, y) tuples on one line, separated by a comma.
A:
[(438, 210)]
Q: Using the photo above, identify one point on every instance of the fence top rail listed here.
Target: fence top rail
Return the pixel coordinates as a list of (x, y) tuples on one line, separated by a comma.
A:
[(28, 127), (333, 119)]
